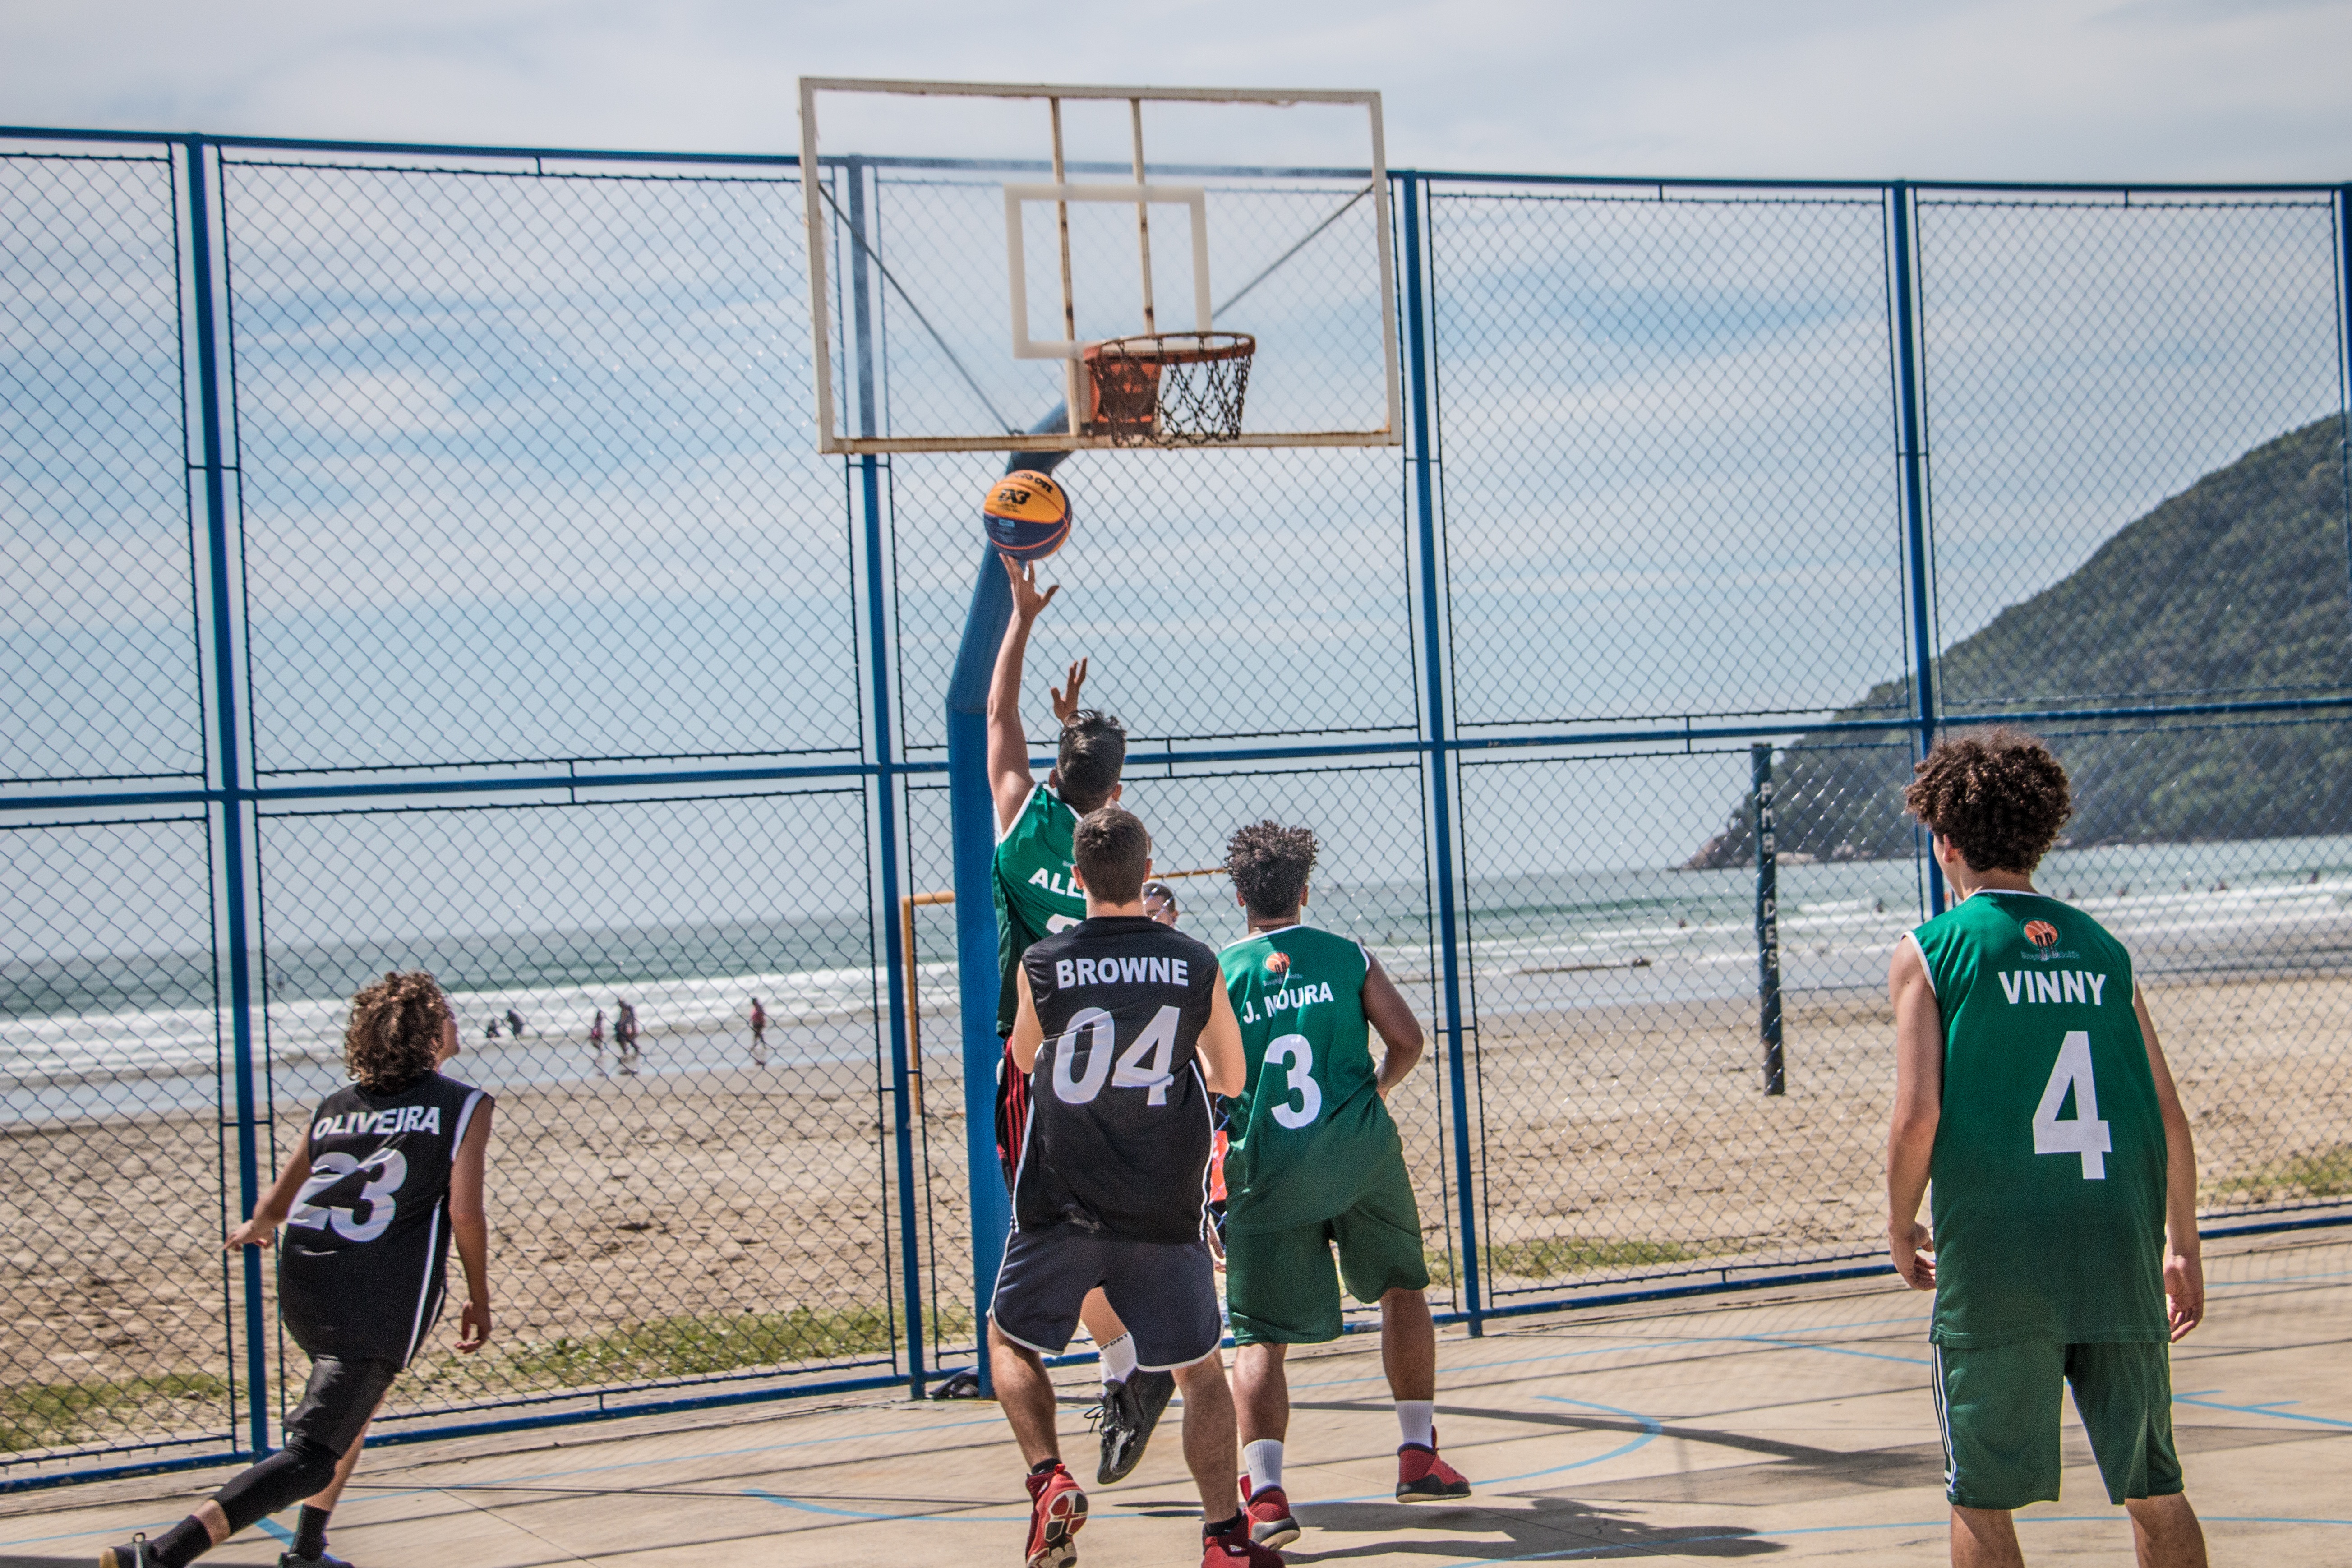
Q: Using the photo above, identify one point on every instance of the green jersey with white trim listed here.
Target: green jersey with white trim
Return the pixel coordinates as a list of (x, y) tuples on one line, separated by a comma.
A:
[(2050, 1158), (1033, 894), (1310, 1134)]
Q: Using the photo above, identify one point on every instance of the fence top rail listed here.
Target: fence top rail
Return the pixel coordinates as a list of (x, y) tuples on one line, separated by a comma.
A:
[(1468, 177)]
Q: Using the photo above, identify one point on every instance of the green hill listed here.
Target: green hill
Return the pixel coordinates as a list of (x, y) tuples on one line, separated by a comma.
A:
[(2233, 590)]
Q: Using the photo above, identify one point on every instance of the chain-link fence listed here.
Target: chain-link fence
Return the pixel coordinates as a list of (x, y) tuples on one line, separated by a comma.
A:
[(418, 558)]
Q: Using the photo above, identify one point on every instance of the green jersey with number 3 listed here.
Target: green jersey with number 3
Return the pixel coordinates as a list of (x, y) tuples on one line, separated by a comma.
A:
[(2050, 1157), (1310, 1134), (1032, 888)]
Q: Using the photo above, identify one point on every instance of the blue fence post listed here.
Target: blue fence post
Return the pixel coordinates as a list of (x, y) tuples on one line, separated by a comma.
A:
[(235, 871), (1423, 459), (1909, 398), (898, 964), (1768, 917), (2344, 362)]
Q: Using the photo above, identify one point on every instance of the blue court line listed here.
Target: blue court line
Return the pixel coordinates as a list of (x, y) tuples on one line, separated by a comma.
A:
[(953, 1518), (1638, 1345), (272, 1527), (2269, 1409), (1677, 1543), (1651, 1428)]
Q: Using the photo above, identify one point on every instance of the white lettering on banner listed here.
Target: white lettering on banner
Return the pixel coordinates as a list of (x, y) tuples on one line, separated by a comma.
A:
[(2064, 985)]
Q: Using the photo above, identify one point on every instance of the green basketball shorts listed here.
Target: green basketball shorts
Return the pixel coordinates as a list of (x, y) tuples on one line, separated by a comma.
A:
[(1281, 1288), (1998, 1408)]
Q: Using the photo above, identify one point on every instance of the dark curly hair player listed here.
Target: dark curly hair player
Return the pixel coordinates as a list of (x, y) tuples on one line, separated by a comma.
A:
[(389, 1168), (2030, 1088)]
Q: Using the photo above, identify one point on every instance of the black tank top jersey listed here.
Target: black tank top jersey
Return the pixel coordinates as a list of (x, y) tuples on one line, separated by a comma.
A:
[(1118, 1133), (361, 1270)]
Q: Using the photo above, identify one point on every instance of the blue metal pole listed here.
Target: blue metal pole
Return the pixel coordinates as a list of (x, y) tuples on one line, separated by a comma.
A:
[(1909, 397), (1423, 460), (2344, 360), (1768, 917), (896, 960), (233, 793)]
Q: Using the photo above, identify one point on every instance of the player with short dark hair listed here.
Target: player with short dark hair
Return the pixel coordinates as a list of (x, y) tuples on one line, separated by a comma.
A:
[(2064, 1246), (1125, 1033), (1313, 1163), (1036, 894), (390, 1167)]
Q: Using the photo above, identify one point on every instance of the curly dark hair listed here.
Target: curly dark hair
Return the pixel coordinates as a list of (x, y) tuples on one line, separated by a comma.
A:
[(2001, 799), (394, 1035), (1092, 749), (1269, 864)]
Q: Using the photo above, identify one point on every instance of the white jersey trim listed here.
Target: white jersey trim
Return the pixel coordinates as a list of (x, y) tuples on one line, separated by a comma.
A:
[(465, 1120), (424, 1290), (1276, 931), (1005, 832)]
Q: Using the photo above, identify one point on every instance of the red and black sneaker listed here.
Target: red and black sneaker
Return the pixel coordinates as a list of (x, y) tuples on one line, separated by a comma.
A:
[(1269, 1515), (1056, 1510), (1232, 1548), (1423, 1477)]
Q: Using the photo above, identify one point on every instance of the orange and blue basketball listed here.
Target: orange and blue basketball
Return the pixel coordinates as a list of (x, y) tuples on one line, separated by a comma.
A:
[(1027, 515)]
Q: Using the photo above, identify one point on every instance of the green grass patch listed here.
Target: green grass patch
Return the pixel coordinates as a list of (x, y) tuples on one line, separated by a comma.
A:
[(2317, 1173), (697, 1346), (1558, 1255), (50, 1414)]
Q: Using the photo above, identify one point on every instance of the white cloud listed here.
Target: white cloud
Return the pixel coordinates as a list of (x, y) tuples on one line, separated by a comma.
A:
[(2147, 90)]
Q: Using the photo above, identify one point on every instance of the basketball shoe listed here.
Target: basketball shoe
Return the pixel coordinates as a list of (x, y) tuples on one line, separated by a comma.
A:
[(1423, 1477), (1269, 1515), (1056, 1510), (1232, 1548), (1130, 1410)]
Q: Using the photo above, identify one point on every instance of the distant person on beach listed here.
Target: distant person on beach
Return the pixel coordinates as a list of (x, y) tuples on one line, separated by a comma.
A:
[(2030, 1088), (390, 1168), (514, 1023), (758, 1034), (492, 1031), (624, 1038), (596, 1044)]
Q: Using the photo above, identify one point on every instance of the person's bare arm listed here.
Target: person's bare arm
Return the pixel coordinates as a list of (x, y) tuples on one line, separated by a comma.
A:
[(1008, 779), (1028, 1033), (1918, 1107), (1391, 1016), (471, 1227), (277, 1202), (2184, 1264), (1224, 1065)]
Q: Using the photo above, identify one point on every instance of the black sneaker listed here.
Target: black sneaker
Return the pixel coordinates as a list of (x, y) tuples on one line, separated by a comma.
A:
[(324, 1560), (133, 1554), (1128, 1411)]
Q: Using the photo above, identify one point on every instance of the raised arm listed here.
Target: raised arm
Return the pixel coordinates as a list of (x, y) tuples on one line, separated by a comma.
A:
[(2184, 1265), (1918, 1107), (471, 1228), (1391, 1016), (1008, 779)]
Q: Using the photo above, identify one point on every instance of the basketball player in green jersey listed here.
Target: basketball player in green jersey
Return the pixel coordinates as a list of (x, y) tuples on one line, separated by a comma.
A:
[(1035, 895), (2031, 1088), (1313, 1162)]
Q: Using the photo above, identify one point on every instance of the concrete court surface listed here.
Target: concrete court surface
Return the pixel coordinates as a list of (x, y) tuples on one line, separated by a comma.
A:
[(1796, 1426)]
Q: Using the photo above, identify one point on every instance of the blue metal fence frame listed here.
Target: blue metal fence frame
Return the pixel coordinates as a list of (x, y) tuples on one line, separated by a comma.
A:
[(229, 798)]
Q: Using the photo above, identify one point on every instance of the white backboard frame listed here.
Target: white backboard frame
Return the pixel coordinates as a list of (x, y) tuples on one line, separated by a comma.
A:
[(831, 439)]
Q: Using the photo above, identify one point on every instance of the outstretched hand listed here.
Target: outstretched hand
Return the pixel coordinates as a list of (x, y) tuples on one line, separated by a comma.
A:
[(254, 1232), (474, 1327), (1065, 702), (1027, 600)]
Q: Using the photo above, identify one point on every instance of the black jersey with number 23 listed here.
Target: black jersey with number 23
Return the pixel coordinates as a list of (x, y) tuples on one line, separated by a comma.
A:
[(1119, 1129), (367, 1243)]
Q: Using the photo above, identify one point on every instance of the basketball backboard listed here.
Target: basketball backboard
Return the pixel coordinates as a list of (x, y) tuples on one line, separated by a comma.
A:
[(1163, 266)]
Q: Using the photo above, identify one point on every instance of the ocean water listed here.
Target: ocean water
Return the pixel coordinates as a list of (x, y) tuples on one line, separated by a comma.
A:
[(110, 1037)]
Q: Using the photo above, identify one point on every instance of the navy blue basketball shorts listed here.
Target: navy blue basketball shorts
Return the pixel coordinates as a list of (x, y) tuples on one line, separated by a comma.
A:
[(1164, 1291)]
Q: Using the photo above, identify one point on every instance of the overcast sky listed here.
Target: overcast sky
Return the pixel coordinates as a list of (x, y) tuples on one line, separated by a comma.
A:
[(2136, 90)]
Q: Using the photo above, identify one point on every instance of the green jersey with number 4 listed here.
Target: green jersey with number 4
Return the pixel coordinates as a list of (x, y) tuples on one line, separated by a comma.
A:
[(1032, 888), (2050, 1157), (1310, 1134)]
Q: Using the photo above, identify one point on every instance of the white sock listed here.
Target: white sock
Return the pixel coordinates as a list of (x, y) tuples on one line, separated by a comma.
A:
[(1118, 1359), (1417, 1419), (1264, 1460)]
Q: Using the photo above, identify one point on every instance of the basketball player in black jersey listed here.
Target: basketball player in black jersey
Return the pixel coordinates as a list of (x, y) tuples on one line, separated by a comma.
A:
[(389, 1169), (1124, 1030)]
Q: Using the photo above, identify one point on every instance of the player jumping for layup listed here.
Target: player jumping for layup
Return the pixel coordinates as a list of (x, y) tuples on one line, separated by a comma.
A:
[(387, 1171), (1313, 1161), (2058, 1238), (1035, 894), (1125, 1033)]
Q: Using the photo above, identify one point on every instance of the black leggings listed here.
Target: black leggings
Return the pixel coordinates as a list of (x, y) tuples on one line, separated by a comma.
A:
[(336, 1404)]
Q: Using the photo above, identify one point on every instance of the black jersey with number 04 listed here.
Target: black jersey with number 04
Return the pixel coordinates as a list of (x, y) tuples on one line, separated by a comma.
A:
[(361, 1272), (1119, 1122)]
